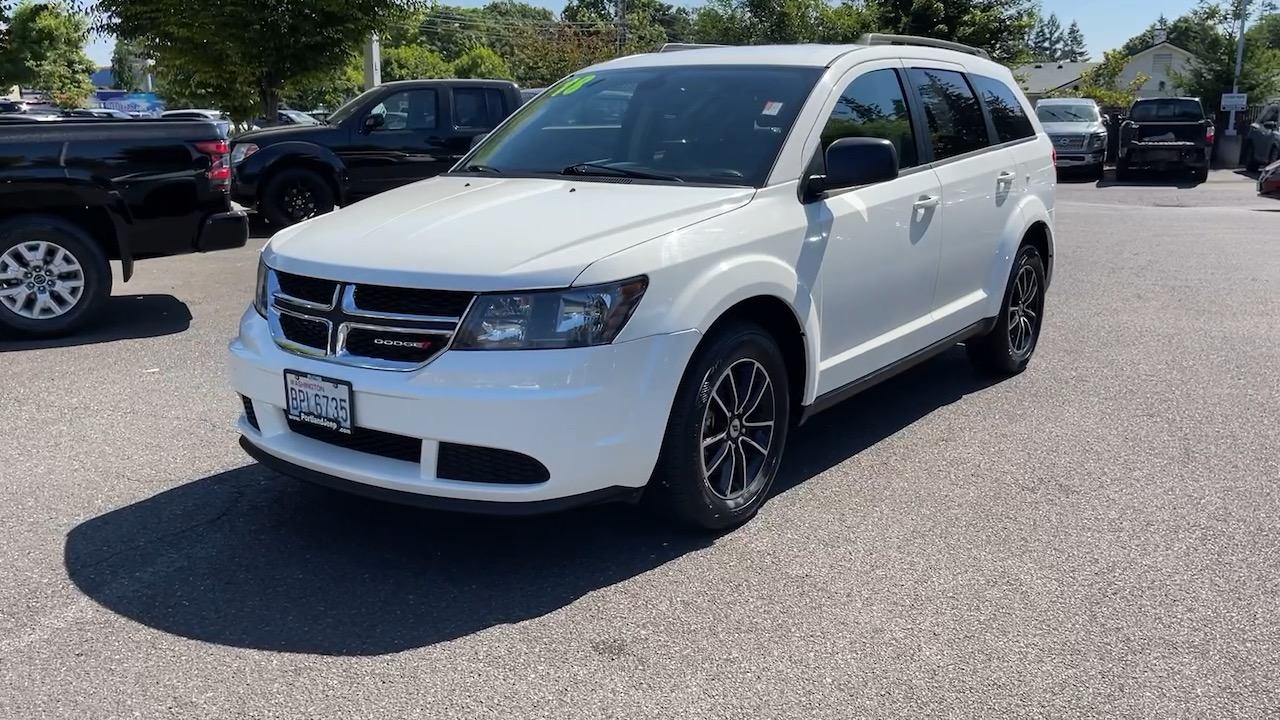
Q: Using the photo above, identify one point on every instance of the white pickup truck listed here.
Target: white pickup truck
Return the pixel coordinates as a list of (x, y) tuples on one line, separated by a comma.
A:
[(640, 302)]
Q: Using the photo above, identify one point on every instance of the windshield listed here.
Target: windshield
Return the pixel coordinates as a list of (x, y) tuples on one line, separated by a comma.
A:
[(351, 106), (1068, 113), (712, 124), (1172, 110)]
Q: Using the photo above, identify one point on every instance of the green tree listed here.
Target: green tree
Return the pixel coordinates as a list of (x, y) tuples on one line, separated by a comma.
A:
[(329, 88), (127, 66), (1186, 32), (1102, 83), (228, 48), (481, 63), (1214, 48), (413, 62), (1075, 49), (46, 51), (998, 26), (1048, 42)]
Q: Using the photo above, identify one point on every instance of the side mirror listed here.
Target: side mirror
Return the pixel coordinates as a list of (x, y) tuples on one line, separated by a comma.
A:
[(1269, 125), (372, 122), (478, 139), (857, 161)]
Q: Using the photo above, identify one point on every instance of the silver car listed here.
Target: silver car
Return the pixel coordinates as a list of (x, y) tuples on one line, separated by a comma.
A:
[(1078, 132)]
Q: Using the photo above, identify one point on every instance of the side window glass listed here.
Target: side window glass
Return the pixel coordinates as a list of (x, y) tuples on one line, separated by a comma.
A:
[(469, 108), (874, 105), (951, 111), (1007, 115), (1270, 114), (407, 110)]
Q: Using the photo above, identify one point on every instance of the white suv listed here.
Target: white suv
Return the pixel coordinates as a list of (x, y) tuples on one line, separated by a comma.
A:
[(642, 307)]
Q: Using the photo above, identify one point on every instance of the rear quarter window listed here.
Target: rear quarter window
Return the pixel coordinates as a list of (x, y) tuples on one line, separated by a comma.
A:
[(1005, 107)]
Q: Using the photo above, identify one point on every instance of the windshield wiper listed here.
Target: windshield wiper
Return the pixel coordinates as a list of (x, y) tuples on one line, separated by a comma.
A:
[(481, 168), (588, 168)]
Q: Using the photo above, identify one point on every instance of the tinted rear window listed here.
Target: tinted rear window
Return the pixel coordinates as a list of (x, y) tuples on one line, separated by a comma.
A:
[(1171, 110)]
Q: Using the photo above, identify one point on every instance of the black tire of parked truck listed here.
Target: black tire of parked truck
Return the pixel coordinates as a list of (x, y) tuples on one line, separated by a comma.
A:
[(727, 431), (295, 194), (1007, 348), (1200, 174), (45, 259), (1250, 158)]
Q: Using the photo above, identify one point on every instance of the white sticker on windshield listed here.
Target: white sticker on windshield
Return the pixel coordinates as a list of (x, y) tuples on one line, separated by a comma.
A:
[(772, 108)]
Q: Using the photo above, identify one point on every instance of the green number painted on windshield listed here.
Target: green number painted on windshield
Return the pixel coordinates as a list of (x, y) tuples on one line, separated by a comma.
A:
[(573, 85)]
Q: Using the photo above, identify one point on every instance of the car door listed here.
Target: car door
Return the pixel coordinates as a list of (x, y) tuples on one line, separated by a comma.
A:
[(881, 258), (1263, 138), (474, 111), (980, 185), (404, 148)]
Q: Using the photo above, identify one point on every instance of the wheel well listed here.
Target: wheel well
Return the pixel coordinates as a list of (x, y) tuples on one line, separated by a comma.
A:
[(777, 318), (291, 163), (94, 220), (1037, 236)]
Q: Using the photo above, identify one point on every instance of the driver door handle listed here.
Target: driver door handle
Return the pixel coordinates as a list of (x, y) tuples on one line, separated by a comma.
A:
[(926, 202), (1006, 177)]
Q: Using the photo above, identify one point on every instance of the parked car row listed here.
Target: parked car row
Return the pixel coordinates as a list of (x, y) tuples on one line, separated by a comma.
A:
[(1165, 134)]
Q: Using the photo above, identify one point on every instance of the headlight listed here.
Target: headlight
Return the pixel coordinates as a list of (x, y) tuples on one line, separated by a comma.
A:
[(260, 291), (241, 151), (1098, 139), (541, 320)]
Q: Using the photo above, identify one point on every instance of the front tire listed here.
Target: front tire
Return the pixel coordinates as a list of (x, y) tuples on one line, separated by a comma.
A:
[(295, 194), (54, 277), (1007, 348), (727, 432)]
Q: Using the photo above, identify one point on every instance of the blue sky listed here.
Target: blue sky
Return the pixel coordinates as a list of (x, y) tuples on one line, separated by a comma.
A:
[(1106, 23)]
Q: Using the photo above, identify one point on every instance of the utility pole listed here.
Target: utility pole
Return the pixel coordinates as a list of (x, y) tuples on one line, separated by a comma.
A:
[(1235, 79), (621, 7), (372, 63)]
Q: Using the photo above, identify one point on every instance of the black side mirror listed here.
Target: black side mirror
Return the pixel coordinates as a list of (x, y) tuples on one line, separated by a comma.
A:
[(478, 138), (372, 122), (1269, 125), (855, 161)]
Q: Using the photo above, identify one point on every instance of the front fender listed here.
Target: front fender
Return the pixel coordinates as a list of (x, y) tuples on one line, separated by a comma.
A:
[(294, 152), (699, 300)]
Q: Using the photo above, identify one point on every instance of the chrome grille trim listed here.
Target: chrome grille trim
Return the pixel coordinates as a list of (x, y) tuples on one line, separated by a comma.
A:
[(342, 316)]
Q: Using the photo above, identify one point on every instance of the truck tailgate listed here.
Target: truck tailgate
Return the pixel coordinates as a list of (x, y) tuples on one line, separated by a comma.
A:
[(1173, 133)]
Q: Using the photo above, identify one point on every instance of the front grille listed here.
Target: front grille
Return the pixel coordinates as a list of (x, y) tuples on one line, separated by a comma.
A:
[(249, 414), (372, 442), (471, 463), (373, 326), (303, 331), (1069, 142), (409, 301), (314, 290), (406, 347)]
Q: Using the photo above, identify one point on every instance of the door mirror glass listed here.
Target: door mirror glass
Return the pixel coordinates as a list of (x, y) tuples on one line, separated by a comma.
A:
[(478, 139), (854, 161), (374, 121), (1270, 124)]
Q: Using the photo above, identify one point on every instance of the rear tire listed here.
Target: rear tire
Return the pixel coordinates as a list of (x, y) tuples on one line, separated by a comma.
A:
[(1007, 348), (54, 277), (1200, 174), (1123, 172), (1250, 158), (295, 194), (726, 434)]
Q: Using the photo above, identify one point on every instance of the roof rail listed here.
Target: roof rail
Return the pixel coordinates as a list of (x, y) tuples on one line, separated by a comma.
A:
[(674, 47), (886, 39)]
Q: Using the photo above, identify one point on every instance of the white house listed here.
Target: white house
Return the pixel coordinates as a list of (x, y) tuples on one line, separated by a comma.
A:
[(1158, 62)]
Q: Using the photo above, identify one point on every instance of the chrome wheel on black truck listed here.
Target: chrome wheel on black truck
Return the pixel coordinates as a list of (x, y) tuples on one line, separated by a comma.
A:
[(727, 431), (54, 277)]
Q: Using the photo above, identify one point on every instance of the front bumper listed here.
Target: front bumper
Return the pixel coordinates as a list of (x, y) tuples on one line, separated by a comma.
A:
[(1081, 158), (593, 417)]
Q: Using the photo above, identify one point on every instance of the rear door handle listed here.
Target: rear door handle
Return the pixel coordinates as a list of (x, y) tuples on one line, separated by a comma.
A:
[(1006, 177), (926, 202)]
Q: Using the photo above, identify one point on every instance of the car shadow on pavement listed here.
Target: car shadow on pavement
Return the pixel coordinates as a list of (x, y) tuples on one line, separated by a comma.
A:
[(1151, 179), (249, 559), (125, 317)]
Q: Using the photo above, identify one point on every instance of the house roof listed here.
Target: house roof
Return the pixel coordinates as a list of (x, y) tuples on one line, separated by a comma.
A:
[(1166, 45), (1043, 77)]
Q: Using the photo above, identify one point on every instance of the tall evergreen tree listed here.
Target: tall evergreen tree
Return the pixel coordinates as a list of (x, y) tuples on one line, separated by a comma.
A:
[(1048, 42), (1074, 49)]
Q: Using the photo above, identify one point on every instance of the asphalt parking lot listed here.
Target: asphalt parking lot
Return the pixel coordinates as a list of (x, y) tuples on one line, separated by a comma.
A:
[(1096, 537)]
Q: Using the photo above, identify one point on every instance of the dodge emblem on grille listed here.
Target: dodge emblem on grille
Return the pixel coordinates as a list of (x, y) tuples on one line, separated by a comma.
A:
[(403, 343)]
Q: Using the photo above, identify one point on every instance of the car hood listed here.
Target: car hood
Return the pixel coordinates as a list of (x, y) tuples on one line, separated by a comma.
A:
[(490, 234), (285, 133), (1073, 128)]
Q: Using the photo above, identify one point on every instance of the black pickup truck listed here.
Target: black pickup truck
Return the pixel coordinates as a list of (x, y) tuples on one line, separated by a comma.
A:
[(1163, 133), (76, 194), (394, 134)]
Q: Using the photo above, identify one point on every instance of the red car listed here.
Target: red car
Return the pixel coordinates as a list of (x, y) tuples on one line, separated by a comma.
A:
[(1269, 180)]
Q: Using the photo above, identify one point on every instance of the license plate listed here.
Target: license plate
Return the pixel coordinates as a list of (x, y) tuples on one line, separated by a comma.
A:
[(320, 401)]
